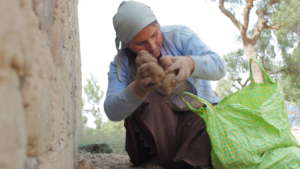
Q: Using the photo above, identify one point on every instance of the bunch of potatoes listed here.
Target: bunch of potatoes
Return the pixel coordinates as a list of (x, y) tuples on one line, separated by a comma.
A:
[(168, 85), (157, 71)]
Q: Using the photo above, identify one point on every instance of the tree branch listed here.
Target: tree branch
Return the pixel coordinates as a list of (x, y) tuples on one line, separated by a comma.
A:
[(274, 26), (260, 25), (246, 15), (229, 15), (277, 72), (262, 21), (235, 86), (239, 80), (246, 82)]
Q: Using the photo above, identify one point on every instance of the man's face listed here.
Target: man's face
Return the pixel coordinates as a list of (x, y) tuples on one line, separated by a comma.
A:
[(149, 39)]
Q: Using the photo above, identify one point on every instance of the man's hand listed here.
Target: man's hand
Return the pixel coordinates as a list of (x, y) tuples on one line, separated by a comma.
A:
[(183, 66)]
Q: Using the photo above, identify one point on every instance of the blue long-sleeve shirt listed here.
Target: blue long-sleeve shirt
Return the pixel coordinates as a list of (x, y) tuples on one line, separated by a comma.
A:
[(121, 100)]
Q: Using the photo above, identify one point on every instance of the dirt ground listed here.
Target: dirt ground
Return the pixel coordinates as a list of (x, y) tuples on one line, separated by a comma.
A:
[(121, 161), (109, 161)]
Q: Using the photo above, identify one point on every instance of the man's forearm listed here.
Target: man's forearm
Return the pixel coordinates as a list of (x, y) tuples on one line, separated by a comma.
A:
[(119, 106), (208, 67)]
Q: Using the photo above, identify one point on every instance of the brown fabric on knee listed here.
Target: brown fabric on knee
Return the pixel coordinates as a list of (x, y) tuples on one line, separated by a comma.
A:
[(174, 136), (193, 141)]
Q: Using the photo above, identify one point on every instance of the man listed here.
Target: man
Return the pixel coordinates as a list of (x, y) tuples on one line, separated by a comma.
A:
[(155, 133)]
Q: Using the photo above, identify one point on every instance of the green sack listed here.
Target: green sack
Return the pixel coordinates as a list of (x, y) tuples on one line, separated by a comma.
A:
[(249, 129)]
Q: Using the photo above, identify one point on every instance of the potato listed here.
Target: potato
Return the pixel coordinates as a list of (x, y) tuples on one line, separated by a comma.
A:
[(150, 66), (168, 83), (144, 57)]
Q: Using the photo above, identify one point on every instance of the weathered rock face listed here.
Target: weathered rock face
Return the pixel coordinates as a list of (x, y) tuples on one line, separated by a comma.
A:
[(40, 84)]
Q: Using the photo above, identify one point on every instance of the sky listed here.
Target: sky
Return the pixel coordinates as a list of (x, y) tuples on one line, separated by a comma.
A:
[(97, 34)]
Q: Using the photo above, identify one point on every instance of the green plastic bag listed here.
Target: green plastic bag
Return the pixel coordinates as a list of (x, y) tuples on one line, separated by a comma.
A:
[(249, 129)]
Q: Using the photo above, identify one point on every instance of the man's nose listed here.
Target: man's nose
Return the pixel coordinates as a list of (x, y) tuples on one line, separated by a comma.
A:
[(151, 45)]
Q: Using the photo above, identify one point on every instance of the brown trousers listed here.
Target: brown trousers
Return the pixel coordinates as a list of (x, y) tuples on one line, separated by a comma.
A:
[(155, 132)]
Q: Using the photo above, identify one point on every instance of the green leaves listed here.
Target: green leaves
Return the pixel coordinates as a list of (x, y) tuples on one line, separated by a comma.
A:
[(93, 95), (92, 91)]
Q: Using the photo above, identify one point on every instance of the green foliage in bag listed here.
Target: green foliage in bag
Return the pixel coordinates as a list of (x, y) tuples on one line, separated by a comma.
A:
[(249, 129)]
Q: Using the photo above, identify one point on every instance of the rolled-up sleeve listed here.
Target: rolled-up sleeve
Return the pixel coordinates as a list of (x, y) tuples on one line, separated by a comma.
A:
[(120, 100), (208, 64)]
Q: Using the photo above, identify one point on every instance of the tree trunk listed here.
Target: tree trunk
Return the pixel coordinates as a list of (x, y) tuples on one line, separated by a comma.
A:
[(251, 53)]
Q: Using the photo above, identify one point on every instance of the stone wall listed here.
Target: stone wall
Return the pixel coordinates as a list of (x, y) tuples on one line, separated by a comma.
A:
[(40, 84)]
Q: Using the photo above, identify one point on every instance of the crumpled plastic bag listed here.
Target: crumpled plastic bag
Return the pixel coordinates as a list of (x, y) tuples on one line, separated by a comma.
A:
[(249, 129)]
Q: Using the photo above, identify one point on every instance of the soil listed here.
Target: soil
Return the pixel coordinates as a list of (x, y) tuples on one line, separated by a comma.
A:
[(107, 161), (121, 160)]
